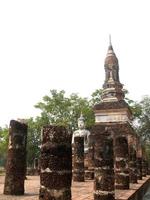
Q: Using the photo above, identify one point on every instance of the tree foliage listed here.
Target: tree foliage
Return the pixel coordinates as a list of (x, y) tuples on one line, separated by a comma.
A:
[(3, 145), (96, 97), (61, 110), (33, 141), (143, 126)]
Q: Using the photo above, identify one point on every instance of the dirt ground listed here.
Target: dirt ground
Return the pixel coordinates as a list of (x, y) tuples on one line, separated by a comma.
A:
[(80, 191), (32, 185)]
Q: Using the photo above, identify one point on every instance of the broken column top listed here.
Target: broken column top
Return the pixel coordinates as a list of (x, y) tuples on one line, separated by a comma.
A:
[(17, 134), (57, 134)]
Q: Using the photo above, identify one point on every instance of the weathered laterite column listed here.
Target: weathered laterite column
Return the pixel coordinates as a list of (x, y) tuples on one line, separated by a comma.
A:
[(16, 159), (144, 164), (132, 164), (121, 163), (56, 164), (144, 167), (104, 168), (139, 161), (36, 164), (91, 153), (147, 167), (78, 171), (89, 175), (139, 168), (132, 143)]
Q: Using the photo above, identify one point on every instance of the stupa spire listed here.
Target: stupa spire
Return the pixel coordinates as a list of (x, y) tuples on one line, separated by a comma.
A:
[(110, 40), (112, 86)]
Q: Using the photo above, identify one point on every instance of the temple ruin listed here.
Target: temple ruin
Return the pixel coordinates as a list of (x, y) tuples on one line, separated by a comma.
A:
[(110, 155)]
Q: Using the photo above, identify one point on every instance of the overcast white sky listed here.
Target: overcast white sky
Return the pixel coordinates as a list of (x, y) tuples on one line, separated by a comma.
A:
[(62, 44)]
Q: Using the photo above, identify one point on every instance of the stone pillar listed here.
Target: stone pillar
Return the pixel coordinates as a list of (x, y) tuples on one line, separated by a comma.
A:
[(132, 164), (16, 159), (56, 164), (78, 171), (147, 167), (148, 170), (89, 174), (91, 156), (144, 164), (36, 163), (132, 158), (139, 160), (144, 167), (104, 168), (121, 163), (139, 168)]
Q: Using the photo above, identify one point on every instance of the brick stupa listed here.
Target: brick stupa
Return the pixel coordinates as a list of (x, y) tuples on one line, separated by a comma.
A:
[(111, 133), (113, 107)]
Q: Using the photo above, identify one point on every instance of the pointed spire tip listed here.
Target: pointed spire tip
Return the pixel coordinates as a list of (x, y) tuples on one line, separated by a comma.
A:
[(110, 44)]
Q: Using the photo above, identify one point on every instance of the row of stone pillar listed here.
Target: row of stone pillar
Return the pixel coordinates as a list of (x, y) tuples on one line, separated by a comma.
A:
[(116, 163), (124, 165), (129, 166), (55, 160), (56, 163)]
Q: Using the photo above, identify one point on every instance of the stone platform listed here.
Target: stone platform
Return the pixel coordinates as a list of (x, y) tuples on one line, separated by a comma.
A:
[(136, 191), (80, 191)]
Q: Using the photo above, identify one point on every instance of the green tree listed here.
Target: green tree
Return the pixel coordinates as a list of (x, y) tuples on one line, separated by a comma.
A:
[(33, 141), (143, 126), (3, 145), (96, 97), (61, 110), (134, 105)]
